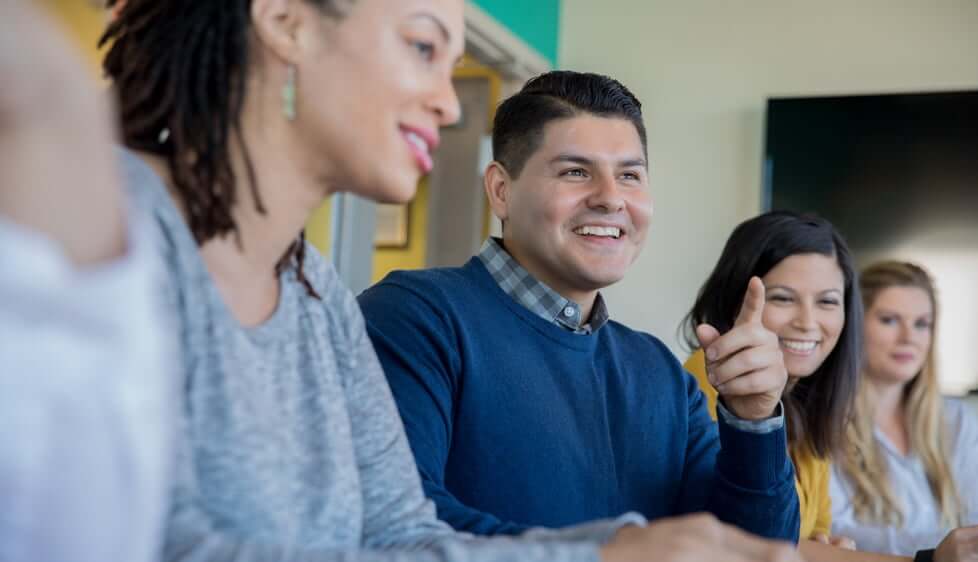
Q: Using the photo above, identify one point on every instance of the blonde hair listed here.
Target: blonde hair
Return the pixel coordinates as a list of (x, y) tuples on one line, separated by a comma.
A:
[(862, 459)]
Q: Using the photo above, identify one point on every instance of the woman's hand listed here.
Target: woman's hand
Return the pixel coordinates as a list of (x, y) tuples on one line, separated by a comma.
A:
[(835, 540)]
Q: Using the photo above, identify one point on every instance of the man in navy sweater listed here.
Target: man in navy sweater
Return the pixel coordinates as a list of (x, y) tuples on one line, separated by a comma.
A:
[(525, 405)]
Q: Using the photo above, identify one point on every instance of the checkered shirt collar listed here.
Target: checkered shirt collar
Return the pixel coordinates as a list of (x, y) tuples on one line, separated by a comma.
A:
[(536, 296)]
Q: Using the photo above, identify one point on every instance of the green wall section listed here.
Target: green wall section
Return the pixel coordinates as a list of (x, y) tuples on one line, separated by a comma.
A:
[(535, 21)]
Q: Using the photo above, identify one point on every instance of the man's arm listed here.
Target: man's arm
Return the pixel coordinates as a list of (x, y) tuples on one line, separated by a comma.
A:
[(418, 350), (754, 482), (743, 478)]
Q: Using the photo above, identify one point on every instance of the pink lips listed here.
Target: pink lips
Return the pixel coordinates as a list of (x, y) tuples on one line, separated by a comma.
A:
[(422, 154)]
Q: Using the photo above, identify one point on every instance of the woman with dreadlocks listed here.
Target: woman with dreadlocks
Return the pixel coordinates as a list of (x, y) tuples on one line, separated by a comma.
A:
[(239, 118)]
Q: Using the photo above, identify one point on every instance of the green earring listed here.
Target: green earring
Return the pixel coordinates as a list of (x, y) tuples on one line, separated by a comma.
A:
[(288, 95)]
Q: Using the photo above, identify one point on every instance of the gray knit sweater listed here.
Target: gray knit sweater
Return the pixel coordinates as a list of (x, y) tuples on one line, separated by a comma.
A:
[(290, 444)]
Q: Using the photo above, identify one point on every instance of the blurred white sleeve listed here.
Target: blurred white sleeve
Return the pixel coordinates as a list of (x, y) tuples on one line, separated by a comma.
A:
[(85, 404)]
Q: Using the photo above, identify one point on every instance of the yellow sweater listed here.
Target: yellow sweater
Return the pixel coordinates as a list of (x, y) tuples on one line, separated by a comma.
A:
[(811, 472)]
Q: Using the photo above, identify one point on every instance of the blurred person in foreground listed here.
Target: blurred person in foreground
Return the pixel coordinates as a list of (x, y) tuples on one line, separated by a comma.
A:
[(84, 402)]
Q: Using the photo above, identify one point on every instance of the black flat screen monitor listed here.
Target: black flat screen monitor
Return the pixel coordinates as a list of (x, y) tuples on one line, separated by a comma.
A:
[(880, 167)]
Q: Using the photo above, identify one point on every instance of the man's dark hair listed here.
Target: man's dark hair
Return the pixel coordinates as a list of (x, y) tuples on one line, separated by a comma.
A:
[(520, 120), (818, 407)]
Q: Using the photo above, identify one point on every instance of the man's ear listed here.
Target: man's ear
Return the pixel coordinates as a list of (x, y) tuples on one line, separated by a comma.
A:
[(497, 184), (276, 24)]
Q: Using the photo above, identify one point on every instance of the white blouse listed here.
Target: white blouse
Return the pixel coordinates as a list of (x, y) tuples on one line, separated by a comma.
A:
[(922, 527)]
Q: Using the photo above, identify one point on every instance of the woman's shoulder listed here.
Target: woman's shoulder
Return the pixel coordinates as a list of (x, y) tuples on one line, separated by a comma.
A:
[(154, 207), (696, 365), (322, 276), (962, 419), (809, 465), (334, 301), (144, 187)]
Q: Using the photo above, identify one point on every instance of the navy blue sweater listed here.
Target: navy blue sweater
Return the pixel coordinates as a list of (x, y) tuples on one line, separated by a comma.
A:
[(516, 422)]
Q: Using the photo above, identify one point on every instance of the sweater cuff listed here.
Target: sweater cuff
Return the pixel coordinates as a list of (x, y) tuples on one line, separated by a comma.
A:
[(754, 461), (753, 426), (598, 532)]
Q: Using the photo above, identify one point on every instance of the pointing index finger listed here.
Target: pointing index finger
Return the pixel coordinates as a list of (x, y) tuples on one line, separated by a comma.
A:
[(752, 309)]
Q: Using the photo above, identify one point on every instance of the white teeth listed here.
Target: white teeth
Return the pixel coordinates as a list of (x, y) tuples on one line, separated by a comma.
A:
[(416, 140), (796, 345), (607, 231)]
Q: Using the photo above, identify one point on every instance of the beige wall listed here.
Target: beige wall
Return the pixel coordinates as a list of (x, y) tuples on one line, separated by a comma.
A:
[(703, 70)]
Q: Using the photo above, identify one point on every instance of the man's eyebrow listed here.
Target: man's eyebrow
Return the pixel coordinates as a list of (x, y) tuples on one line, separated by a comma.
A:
[(585, 161), (572, 158)]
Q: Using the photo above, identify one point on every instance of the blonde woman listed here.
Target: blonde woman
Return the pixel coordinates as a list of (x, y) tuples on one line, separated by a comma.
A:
[(907, 475)]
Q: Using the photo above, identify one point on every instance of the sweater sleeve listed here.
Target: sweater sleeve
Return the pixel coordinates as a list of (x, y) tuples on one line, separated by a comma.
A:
[(750, 475), (418, 350)]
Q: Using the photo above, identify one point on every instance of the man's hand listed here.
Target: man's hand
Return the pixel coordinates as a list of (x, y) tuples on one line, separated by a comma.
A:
[(745, 365), (960, 545), (693, 538)]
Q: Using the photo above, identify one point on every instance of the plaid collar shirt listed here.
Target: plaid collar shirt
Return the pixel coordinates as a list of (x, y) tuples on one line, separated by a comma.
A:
[(537, 297)]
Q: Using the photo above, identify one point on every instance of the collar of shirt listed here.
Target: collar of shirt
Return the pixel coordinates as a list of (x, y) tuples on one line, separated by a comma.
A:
[(536, 296)]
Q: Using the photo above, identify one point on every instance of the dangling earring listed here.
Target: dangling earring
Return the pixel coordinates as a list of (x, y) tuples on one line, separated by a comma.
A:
[(288, 95)]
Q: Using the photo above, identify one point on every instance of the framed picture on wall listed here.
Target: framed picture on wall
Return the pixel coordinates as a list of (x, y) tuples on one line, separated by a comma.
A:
[(393, 226)]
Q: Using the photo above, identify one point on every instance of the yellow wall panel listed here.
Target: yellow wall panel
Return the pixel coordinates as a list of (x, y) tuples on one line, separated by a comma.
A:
[(412, 257), (317, 229), (84, 23)]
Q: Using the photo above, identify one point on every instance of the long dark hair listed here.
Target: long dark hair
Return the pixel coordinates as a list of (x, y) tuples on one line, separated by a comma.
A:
[(180, 68), (818, 406)]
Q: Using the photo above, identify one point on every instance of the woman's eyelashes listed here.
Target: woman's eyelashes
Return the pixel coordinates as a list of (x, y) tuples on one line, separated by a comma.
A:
[(425, 49)]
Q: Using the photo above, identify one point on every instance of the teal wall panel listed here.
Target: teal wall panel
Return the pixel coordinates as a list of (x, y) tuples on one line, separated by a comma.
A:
[(535, 21)]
